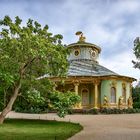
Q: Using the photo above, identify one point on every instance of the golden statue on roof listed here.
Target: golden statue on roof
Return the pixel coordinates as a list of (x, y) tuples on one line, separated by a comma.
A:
[(81, 37)]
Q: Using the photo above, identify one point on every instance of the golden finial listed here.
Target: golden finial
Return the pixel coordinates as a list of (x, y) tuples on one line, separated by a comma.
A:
[(81, 37)]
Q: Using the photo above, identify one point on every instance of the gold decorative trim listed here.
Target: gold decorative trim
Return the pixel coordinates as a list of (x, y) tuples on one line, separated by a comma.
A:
[(96, 82), (90, 79), (113, 83), (76, 82), (124, 85)]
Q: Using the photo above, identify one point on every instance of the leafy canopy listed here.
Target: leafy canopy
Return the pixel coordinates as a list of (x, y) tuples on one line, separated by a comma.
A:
[(27, 52)]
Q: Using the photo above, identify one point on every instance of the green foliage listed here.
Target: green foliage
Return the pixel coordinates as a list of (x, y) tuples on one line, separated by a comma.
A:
[(63, 102), (136, 94), (93, 111), (26, 53), (137, 53), (31, 101), (112, 111), (42, 98), (119, 111), (136, 97), (136, 105), (34, 97), (32, 48), (34, 102), (6, 81), (106, 111)]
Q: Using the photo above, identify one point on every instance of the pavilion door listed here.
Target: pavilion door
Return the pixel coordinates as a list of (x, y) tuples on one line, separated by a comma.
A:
[(85, 97)]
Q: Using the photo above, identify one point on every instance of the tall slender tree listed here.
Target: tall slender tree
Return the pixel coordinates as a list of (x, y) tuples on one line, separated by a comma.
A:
[(137, 53)]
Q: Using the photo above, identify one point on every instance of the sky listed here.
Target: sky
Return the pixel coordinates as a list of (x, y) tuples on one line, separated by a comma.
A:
[(111, 24)]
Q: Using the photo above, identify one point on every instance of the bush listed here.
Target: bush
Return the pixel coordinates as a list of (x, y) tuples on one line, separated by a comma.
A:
[(136, 105), (119, 111), (78, 111), (103, 110), (137, 110), (34, 102), (93, 111), (31, 109), (136, 97), (84, 111)]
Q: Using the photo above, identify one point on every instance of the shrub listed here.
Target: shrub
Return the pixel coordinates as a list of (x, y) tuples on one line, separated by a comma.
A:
[(102, 110), (105, 111), (93, 111), (136, 104), (119, 111), (80, 111), (137, 110)]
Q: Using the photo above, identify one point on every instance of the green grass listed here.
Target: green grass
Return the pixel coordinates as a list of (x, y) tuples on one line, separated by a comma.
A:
[(21, 129)]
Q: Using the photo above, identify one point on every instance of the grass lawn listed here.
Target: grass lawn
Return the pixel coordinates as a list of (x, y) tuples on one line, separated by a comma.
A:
[(21, 129)]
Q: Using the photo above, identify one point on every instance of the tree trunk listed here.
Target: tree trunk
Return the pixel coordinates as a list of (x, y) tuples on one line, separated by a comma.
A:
[(4, 100), (8, 108)]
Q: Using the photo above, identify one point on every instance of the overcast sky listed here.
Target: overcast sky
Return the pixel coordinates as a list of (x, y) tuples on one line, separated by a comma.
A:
[(111, 24)]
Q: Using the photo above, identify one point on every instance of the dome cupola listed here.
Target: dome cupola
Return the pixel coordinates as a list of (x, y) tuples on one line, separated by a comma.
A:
[(83, 50)]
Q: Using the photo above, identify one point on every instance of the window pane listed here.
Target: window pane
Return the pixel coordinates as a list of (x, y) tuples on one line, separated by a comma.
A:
[(113, 95)]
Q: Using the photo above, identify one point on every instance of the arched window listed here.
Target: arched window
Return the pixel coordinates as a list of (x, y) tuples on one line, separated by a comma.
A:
[(124, 94), (85, 91), (113, 95)]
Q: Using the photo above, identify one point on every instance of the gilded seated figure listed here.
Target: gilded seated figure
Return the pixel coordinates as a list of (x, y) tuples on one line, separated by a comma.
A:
[(106, 102), (78, 105), (130, 102), (121, 101)]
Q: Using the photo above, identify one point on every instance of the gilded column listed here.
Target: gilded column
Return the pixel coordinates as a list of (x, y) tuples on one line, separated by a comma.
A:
[(130, 94), (96, 94), (76, 87)]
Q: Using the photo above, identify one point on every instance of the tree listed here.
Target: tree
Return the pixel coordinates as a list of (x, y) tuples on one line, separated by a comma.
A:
[(27, 52), (137, 52), (136, 97), (136, 90)]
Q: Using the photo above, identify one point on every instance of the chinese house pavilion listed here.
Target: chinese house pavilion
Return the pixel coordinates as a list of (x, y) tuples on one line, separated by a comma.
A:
[(95, 84)]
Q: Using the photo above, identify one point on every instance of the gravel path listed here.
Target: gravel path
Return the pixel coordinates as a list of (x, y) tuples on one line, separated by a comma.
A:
[(96, 127)]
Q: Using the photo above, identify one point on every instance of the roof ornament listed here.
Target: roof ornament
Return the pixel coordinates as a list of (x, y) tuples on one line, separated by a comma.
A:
[(81, 37)]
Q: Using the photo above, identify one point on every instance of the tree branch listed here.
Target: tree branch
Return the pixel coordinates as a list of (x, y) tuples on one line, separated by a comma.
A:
[(23, 67)]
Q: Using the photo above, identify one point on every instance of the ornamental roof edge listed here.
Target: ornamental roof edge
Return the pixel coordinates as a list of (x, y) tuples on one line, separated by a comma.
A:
[(84, 44)]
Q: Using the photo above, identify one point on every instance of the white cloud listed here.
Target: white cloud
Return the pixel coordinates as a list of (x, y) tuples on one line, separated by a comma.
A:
[(111, 24), (122, 64)]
